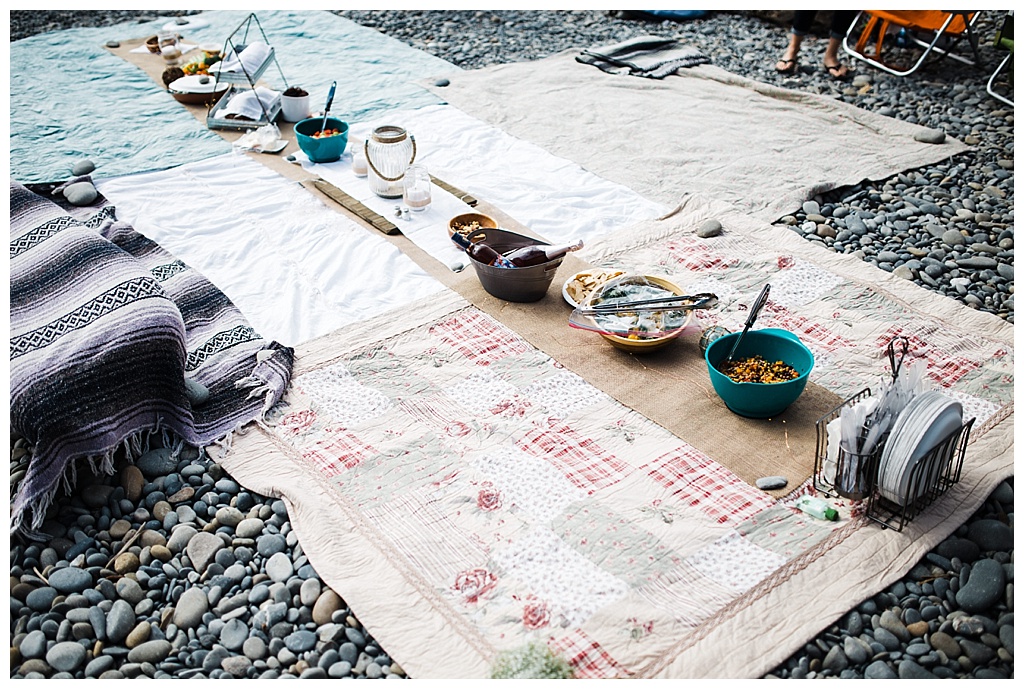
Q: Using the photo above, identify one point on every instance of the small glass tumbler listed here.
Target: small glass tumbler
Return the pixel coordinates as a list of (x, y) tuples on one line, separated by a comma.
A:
[(416, 190), (359, 168), (169, 48)]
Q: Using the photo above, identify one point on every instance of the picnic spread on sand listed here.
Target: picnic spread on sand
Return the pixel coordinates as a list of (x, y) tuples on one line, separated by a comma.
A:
[(521, 376)]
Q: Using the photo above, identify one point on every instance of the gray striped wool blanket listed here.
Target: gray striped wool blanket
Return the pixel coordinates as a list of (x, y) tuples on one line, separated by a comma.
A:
[(106, 328)]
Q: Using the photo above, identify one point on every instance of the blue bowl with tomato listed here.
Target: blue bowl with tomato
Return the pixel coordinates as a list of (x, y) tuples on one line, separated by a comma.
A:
[(322, 143)]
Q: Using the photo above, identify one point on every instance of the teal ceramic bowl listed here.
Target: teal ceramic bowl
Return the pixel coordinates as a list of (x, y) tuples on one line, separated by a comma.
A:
[(760, 400), (321, 150)]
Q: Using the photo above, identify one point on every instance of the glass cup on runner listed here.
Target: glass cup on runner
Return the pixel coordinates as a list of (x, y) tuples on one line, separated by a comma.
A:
[(416, 191)]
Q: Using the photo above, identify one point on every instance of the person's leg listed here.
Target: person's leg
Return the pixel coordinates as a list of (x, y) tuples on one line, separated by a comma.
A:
[(802, 20), (841, 20), (787, 63)]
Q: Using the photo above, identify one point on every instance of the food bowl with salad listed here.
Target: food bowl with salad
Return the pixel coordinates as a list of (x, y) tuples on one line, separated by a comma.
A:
[(766, 374), (323, 140)]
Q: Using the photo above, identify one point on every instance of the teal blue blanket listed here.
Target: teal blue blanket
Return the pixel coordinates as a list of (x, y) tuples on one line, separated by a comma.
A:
[(72, 99)]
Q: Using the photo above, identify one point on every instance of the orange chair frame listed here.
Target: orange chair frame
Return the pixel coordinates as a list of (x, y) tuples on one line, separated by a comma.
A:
[(953, 24)]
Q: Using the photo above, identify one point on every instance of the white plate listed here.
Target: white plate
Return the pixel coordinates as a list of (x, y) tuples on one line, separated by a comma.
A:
[(949, 417), (893, 454), (275, 147), (607, 273), (193, 84)]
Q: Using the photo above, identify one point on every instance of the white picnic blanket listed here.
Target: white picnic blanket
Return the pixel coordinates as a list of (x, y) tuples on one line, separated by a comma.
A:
[(294, 267), (555, 198)]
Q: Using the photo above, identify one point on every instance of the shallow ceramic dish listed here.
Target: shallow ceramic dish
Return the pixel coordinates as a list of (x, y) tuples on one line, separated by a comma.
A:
[(464, 219), (640, 346), (192, 90), (578, 287)]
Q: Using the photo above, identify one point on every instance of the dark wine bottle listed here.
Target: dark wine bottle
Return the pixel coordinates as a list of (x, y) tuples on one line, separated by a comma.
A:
[(536, 254), (482, 252)]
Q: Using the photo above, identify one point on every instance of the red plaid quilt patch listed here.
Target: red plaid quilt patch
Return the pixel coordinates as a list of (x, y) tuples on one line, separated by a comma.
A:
[(945, 367), (338, 453), (581, 460), (698, 481), (586, 656), (479, 337), (811, 332), (696, 257)]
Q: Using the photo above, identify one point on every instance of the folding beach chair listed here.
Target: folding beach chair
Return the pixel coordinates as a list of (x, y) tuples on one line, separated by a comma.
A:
[(1004, 41), (935, 31)]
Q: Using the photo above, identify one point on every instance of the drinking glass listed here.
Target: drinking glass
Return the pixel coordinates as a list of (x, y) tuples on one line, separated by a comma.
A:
[(169, 48), (416, 188)]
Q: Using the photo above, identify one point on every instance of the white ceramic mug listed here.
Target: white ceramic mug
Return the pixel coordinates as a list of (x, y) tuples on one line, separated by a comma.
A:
[(294, 108)]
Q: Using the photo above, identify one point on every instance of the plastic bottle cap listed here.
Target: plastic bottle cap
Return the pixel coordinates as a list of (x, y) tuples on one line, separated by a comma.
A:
[(831, 514)]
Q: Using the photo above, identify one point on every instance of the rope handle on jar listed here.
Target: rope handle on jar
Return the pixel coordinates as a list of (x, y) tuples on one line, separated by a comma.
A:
[(369, 160)]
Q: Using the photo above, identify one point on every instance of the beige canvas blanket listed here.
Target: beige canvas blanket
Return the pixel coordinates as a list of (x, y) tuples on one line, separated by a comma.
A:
[(763, 148)]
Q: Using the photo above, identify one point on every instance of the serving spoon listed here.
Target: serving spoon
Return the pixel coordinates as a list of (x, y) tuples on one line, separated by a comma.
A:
[(759, 303), (327, 109)]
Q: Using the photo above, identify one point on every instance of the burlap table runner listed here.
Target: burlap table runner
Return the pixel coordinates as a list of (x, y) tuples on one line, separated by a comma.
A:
[(670, 386)]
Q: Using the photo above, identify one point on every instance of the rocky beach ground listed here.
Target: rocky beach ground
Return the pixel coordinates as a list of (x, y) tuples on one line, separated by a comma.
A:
[(169, 568)]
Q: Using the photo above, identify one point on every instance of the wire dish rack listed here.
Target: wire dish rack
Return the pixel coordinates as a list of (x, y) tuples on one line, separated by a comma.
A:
[(855, 476), (244, 80)]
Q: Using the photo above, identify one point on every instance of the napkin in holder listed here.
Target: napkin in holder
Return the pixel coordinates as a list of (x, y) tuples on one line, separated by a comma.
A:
[(251, 104)]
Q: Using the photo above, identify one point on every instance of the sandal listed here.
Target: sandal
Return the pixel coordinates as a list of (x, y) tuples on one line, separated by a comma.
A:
[(839, 72), (786, 66)]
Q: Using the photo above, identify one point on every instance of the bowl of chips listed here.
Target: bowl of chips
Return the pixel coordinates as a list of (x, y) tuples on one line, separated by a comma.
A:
[(467, 224), (767, 373)]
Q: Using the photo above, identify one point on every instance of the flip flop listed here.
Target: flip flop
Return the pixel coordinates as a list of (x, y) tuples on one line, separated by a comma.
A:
[(789, 68), (838, 72)]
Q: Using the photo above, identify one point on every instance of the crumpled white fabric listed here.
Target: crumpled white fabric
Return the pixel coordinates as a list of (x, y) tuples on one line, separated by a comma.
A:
[(247, 103)]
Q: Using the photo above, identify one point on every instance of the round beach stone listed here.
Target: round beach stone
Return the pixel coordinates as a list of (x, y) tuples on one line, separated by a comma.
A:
[(158, 462), (249, 528), (991, 534), (80, 193), (196, 392), (771, 482), (300, 641), (192, 605), (326, 605), (202, 548), (120, 621), (442, 83), (41, 598), (984, 587), (930, 136), (82, 167), (70, 580), (879, 669), (709, 228), (279, 567), (33, 645), (154, 651), (66, 656)]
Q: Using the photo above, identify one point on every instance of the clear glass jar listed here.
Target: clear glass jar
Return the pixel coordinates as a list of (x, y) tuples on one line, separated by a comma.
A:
[(389, 151)]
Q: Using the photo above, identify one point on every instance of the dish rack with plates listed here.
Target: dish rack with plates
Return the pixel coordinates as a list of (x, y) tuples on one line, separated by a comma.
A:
[(245, 79), (897, 486)]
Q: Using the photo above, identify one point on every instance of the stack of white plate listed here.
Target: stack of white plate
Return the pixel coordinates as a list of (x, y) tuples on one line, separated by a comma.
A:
[(926, 420)]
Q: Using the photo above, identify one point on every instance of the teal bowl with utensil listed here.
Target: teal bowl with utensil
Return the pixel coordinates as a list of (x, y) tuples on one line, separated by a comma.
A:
[(760, 400), (326, 149)]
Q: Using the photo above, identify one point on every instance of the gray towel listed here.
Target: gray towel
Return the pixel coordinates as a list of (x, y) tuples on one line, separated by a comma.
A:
[(653, 57)]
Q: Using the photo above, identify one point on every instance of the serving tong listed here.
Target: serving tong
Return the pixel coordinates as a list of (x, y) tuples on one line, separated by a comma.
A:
[(685, 302), (759, 303)]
